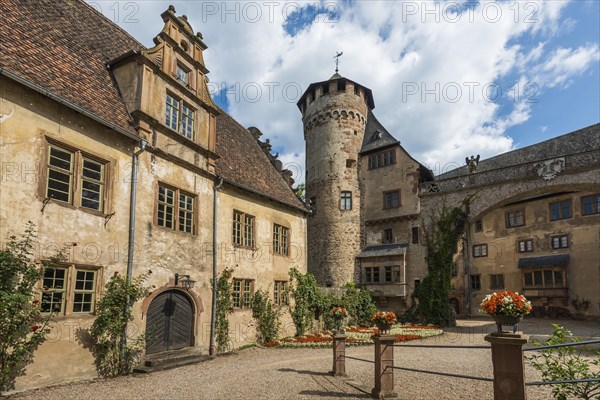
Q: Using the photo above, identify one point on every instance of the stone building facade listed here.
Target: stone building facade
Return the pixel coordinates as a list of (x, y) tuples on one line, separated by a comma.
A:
[(363, 189), (533, 225), (81, 106), (369, 200)]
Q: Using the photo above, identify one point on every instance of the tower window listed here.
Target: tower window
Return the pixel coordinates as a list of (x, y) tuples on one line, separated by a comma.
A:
[(388, 236), (346, 201), (341, 86), (415, 234)]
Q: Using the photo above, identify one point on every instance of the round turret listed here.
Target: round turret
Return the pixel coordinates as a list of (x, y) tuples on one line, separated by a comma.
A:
[(334, 114)]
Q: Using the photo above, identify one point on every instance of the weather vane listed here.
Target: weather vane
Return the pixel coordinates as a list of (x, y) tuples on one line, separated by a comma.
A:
[(337, 60)]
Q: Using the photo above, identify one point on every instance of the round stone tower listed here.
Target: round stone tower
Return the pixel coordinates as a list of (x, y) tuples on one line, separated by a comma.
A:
[(334, 114)]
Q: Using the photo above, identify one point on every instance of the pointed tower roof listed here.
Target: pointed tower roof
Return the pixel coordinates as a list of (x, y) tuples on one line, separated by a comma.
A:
[(376, 136)]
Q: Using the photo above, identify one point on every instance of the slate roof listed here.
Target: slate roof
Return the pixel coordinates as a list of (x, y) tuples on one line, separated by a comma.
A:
[(558, 260), (64, 47), (383, 250), (376, 136), (579, 141), (244, 163)]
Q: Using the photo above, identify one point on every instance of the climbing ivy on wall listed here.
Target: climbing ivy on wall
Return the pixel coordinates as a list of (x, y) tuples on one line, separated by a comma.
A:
[(442, 231), (224, 308)]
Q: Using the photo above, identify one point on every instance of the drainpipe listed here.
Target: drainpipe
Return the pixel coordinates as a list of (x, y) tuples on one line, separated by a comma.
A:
[(213, 313), (467, 258), (132, 198), (404, 273)]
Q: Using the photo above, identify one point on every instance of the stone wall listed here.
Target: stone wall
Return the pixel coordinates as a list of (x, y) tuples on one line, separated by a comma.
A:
[(334, 127)]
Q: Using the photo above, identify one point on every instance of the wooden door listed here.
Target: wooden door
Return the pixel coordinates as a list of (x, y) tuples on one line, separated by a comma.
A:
[(169, 322)]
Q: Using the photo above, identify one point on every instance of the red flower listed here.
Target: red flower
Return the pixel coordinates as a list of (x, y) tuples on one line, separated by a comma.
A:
[(35, 302), (45, 287), (124, 326), (34, 328)]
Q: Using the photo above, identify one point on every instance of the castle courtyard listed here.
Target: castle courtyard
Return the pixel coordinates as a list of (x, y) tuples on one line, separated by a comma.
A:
[(304, 373)]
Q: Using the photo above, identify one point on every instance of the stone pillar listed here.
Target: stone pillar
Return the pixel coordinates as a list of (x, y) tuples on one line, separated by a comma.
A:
[(384, 362), (339, 355), (509, 367)]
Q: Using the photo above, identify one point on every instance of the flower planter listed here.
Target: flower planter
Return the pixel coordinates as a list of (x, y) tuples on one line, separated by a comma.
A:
[(383, 327), (506, 320)]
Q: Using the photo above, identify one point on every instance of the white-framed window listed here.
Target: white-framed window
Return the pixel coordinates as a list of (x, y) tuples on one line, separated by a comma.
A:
[(75, 178), (279, 288), (525, 246), (243, 229), (480, 250), (243, 290), (180, 117), (346, 200), (560, 242), (175, 209), (68, 289), (281, 239)]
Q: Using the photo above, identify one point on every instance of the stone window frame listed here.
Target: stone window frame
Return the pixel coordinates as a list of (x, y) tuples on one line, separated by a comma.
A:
[(78, 158), (176, 209), (387, 192), (371, 273), (475, 281), (281, 240), (247, 230), (543, 274), (415, 234), (525, 245), (70, 289), (497, 281), (479, 225), (394, 270), (561, 210), (346, 200), (558, 242), (595, 204), (179, 116), (279, 290), (387, 239), (382, 159), (242, 291), (480, 250), (312, 202), (515, 218)]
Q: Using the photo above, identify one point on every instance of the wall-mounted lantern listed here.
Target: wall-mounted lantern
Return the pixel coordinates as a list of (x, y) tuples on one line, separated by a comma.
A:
[(184, 281)]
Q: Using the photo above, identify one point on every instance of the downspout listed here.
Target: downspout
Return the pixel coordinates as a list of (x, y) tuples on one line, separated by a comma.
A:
[(213, 311), (404, 274), (467, 258), (132, 201)]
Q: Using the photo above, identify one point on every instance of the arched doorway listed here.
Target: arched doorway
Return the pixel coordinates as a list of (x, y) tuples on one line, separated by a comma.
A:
[(455, 304), (169, 322)]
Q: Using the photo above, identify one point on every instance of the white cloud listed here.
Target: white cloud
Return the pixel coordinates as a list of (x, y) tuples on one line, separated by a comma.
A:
[(389, 46)]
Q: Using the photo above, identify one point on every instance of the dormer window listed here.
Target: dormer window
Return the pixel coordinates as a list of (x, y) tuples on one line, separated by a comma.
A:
[(183, 75)]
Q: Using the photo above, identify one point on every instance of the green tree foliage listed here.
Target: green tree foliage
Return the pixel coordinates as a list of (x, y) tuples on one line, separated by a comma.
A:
[(113, 356), (442, 231), (359, 304), (224, 308), (568, 363), (22, 327), (267, 317), (300, 191)]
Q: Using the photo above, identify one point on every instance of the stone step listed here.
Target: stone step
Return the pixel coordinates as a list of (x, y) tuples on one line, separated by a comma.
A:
[(171, 359)]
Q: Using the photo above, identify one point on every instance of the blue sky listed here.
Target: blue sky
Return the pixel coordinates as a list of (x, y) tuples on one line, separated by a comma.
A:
[(427, 64)]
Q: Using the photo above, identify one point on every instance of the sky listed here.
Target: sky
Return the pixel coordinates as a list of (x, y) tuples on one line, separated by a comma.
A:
[(450, 79)]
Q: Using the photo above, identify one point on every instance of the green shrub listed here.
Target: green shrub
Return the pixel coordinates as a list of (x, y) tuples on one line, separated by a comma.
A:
[(567, 363), (267, 317), (359, 304), (22, 327), (224, 308), (116, 354), (308, 300)]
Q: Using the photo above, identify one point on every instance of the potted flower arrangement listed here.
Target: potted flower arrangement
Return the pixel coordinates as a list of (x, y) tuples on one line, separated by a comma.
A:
[(506, 308), (339, 313), (384, 320)]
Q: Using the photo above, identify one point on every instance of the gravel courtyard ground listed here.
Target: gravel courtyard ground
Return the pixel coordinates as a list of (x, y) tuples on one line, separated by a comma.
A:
[(303, 373)]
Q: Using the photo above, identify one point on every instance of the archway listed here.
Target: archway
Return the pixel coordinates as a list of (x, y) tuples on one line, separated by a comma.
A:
[(169, 322), (455, 304)]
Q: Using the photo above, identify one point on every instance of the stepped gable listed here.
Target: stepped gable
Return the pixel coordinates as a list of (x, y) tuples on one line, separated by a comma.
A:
[(245, 164), (64, 46)]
